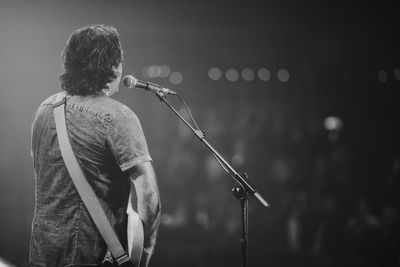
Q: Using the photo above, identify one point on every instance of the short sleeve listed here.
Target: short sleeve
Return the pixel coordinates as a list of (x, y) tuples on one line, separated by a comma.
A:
[(126, 139)]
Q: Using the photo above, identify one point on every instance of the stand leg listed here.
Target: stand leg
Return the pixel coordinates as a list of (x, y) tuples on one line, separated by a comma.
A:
[(244, 239), (239, 193)]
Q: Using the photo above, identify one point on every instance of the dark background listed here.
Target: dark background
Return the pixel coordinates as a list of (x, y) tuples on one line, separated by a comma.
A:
[(333, 193)]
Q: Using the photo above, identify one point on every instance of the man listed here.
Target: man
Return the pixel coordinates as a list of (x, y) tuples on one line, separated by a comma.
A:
[(107, 140)]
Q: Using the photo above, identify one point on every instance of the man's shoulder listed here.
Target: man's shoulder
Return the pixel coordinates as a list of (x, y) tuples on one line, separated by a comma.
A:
[(46, 104), (50, 100)]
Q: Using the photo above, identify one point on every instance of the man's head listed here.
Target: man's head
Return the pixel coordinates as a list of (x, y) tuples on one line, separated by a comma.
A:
[(92, 61)]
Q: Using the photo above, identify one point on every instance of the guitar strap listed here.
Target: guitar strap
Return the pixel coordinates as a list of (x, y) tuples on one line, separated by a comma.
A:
[(85, 191)]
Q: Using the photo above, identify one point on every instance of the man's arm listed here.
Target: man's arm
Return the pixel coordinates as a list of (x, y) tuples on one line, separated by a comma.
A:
[(148, 204)]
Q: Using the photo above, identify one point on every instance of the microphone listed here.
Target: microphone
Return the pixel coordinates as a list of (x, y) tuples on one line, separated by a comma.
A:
[(129, 82)]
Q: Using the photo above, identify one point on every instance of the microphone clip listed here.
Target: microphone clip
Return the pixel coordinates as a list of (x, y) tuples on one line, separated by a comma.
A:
[(161, 96)]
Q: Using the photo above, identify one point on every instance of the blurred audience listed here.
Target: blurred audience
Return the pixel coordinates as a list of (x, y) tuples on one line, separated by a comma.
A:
[(320, 215)]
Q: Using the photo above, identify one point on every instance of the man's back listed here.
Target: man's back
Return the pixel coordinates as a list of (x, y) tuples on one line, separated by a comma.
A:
[(107, 139)]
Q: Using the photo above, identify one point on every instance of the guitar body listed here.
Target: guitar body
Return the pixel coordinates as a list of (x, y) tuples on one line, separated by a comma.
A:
[(135, 237), (135, 232)]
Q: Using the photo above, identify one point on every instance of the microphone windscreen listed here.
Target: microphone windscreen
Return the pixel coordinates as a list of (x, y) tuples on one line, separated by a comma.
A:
[(129, 81)]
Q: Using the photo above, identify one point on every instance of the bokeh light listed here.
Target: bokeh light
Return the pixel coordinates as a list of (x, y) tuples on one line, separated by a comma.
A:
[(164, 71), (214, 73), (232, 75), (176, 77), (396, 73), (247, 74), (264, 74), (153, 71), (382, 76), (283, 75), (145, 72), (332, 123)]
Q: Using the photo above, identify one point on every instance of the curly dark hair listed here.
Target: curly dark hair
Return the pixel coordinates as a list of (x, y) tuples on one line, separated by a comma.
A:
[(89, 59)]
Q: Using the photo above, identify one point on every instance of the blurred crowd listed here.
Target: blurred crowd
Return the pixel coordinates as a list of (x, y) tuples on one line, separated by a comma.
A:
[(325, 211)]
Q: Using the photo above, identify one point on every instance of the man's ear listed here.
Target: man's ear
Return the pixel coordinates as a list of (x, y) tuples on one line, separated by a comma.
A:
[(118, 69)]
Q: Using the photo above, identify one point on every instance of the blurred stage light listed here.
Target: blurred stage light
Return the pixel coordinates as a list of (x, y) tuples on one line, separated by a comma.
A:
[(333, 123), (264, 74), (247, 74), (214, 73), (176, 77), (232, 75), (382, 76), (396, 73), (154, 71), (145, 72), (164, 71), (283, 75)]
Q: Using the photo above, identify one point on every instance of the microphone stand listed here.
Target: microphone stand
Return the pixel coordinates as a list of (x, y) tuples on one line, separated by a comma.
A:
[(241, 192)]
